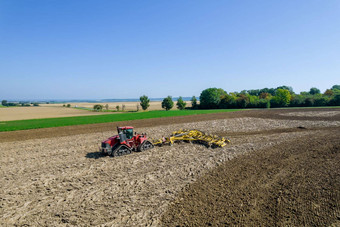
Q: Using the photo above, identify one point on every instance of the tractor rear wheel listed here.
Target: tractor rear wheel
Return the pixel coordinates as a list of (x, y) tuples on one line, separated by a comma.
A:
[(146, 145)]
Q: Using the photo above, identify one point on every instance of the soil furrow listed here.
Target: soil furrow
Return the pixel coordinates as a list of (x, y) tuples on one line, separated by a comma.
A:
[(295, 183)]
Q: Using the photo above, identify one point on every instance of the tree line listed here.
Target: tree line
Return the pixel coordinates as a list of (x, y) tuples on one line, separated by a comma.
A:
[(283, 96), (167, 103), (6, 103)]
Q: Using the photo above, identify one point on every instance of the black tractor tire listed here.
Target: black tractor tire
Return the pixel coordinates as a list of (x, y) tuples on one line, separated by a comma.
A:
[(146, 145), (121, 150)]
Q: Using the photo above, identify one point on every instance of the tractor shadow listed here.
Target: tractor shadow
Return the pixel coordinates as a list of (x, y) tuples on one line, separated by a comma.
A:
[(95, 155)]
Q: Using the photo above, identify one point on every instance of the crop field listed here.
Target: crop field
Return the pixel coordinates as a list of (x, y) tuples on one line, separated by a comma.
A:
[(129, 106), (22, 113), (99, 118), (57, 110), (282, 167)]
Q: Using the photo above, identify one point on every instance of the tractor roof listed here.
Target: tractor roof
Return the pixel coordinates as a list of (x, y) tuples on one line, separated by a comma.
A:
[(126, 127)]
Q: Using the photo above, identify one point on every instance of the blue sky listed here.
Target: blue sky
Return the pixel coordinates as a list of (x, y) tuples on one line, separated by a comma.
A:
[(81, 49)]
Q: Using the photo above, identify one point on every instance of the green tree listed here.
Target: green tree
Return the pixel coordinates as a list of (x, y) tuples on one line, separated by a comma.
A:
[(167, 103), (268, 90), (314, 91), (254, 101), (328, 92), (336, 87), (68, 105), (144, 102), (282, 97), (335, 100), (297, 100), (180, 103), (242, 101), (263, 95), (4, 102), (226, 101), (309, 101), (210, 98), (98, 107), (290, 89), (255, 92), (194, 102), (321, 100)]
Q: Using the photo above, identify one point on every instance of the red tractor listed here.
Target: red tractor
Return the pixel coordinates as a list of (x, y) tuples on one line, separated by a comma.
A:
[(125, 142)]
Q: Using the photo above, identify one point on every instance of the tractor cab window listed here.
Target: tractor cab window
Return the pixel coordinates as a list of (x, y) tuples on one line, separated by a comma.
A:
[(129, 133)]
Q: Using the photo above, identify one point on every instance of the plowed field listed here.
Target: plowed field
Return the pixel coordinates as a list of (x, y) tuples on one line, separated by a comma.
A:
[(22, 113), (57, 177)]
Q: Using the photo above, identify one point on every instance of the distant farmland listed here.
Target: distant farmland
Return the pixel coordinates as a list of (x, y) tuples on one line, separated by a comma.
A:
[(100, 117)]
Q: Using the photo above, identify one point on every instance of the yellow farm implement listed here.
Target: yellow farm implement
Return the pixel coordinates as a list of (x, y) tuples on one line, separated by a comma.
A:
[(193, 136)]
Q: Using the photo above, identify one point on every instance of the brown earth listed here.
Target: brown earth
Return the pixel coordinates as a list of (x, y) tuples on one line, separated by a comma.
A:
[(37, 112), (295, 183), (57, 110), (83, 129), (129, 106), (57, 177)]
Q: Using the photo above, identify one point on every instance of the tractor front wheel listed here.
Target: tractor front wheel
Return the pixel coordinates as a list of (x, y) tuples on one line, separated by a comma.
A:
[(121, 150)]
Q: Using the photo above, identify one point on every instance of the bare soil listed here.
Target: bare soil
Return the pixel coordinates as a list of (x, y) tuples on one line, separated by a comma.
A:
[(295, 183), (313, 114), (129, 106), (37, 112), (57, 177)]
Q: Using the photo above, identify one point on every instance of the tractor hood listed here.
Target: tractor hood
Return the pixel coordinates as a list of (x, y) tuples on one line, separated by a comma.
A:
[(111, 140)]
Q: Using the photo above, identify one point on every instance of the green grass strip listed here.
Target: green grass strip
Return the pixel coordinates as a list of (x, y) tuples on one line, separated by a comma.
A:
[(94, 119)]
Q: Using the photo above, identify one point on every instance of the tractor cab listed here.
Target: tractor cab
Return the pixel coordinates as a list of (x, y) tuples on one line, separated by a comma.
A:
[(125, 133)]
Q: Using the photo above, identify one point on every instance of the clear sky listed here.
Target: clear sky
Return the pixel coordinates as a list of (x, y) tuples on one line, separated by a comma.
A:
[(82, 49)]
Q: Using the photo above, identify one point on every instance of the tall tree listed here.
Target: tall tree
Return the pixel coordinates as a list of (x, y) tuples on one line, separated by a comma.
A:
[(180, 103), (336, 87), (144, 102), (167, 103), (328, 92), (290, 89), (194, 102), (210, 98), (283, 97), (314, 91)]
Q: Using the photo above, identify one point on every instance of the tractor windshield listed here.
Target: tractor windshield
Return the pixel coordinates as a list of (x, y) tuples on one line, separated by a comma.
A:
[(129, 133)]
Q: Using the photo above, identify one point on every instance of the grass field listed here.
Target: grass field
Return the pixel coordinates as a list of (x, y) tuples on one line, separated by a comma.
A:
[(82, 120)]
